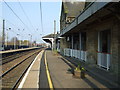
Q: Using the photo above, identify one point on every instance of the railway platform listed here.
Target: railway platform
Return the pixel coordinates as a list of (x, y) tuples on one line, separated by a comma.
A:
[(103, 76), (62, 78), (17, 50), (31, 78), (49, 70)]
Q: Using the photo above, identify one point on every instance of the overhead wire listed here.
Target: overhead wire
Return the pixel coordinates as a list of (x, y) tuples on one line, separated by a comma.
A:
[(26, 14), (12, 30), (15, 14), (14, 33), (10, 22), (28, 17)]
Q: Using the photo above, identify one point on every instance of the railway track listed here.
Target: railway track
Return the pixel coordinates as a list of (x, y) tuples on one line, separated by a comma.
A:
[(11, 77), (13, 57), (13, 62)]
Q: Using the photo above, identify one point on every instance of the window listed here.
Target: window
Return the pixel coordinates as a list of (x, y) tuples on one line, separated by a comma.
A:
[(83, 41), (105, 41)]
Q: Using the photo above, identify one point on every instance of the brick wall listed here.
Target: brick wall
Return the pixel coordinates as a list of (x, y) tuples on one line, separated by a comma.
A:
[(92, 42), (115, 49), (112, 24), (63, 44), (92, 46)]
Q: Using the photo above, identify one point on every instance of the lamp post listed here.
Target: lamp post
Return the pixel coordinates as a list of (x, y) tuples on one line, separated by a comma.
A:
[(3, 36), (19, 40), (30, 39), (14, 42), (7, 38)]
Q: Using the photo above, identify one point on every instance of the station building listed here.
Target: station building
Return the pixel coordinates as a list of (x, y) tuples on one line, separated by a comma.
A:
[(50, 39), (91, 33)]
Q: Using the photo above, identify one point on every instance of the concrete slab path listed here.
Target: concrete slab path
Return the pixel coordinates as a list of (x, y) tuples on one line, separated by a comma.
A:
[(62, 78)]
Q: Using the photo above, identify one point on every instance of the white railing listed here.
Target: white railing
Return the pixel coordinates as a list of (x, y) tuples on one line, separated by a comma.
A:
[(83, 55), (58, 50), (76, 53), (67, 52), (104, 60), (71, 52)]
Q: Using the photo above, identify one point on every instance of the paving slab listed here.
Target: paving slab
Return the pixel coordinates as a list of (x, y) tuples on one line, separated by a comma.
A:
[(62, 78), (31, 78), (103, 76)]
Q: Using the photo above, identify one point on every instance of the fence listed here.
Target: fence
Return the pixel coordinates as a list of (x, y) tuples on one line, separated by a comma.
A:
[(76, 53), (103, 58)]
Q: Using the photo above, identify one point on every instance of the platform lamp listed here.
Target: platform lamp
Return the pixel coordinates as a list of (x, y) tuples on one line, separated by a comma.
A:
[(19, 40), (7, 38), (30, 39), (20, 37)]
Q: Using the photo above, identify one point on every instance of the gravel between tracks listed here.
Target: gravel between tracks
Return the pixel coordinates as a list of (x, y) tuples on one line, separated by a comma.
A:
[(7, 66), (9, 79)]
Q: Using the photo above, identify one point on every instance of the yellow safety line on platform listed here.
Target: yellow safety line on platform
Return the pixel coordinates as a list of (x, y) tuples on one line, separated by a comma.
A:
[(48, 74)]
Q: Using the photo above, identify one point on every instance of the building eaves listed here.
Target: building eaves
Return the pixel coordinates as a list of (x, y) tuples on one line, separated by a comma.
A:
[(89, 11), (49, 36)]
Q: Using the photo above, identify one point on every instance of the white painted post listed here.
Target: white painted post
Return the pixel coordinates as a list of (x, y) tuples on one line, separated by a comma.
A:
[(98, 41), (72, 45), (108, 61), (80, 43), (99, 55)]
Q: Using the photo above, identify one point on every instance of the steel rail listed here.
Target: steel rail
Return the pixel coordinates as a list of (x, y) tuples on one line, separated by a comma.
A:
[(25, 53), (16, 83), (16, 65), (15, 54)]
